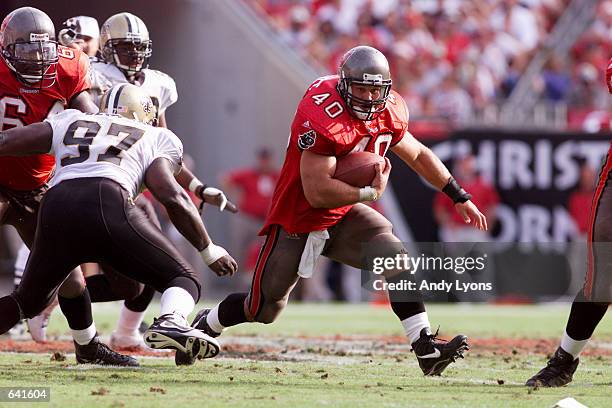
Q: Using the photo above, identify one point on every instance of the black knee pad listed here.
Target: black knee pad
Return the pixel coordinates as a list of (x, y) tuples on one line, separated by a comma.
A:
[(129, 289), (142, 301)]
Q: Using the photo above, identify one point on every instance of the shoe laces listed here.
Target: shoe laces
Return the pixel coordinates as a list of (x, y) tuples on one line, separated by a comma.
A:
[(105, 351), (435, 339)]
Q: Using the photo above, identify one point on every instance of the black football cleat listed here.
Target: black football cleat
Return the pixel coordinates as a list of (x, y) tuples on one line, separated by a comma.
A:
[(199, 322), (96, 352), (171, 331), (558, 371), (434, 354)]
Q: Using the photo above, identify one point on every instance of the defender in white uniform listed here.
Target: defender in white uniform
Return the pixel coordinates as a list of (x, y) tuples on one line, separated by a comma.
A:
[(88, 215), (126, 49)]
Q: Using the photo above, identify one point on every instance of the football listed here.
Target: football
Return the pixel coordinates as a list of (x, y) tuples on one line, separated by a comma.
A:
[(358, 169)]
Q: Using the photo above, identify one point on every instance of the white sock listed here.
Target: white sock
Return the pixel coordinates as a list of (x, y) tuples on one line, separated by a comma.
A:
[(213, 320), (84, 336), (129, 321), (571, 346), (414, 324), (176, 300)]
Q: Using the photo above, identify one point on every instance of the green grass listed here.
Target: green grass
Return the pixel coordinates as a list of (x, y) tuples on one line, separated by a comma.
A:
[(380, 378), (330, 319)]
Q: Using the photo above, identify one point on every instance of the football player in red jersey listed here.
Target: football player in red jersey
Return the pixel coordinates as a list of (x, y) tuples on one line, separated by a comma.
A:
[(592, 302), (38, 78), (314, 214)]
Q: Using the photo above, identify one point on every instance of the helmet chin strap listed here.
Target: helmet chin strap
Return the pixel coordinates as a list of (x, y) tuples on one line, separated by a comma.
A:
[(129, 72), (364, 115)]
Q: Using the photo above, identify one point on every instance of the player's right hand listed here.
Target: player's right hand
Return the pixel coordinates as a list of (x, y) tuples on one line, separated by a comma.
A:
[(226, 265), (382, 177)]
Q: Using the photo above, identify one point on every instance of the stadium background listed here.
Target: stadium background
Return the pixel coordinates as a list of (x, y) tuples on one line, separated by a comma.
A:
[(241, 67)]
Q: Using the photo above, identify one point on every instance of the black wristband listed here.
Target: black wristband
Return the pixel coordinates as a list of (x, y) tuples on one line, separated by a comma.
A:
[(201, 195), (456, 192)]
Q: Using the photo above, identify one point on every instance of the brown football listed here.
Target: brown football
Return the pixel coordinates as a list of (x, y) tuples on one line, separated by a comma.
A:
[(358, 169)]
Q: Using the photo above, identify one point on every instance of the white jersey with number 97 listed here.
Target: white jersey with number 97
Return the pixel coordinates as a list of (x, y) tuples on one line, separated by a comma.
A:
[(108, 146)]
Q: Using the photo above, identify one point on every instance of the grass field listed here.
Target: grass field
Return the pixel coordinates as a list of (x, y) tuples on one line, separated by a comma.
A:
[(336, 356)]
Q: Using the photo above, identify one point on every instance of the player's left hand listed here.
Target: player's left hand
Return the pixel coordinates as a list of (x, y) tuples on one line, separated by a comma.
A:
[(226, 265), (216, 197), (472, 215)]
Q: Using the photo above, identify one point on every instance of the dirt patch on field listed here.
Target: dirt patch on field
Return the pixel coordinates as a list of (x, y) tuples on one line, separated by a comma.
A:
[(60, 346), (339, 349)]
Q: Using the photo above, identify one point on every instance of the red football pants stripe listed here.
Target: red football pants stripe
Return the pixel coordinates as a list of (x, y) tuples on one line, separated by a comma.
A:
[(601, 185), (264, 255)]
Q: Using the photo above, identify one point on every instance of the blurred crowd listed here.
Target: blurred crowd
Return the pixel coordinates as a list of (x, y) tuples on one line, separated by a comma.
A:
[(470, 52)]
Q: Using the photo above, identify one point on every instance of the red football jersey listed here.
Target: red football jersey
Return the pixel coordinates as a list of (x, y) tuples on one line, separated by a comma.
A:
[(323, 125), (257, 188), (21, 105)]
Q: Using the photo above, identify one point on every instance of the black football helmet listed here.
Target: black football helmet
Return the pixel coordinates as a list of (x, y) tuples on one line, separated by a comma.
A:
[(28, 47), (364, 65)]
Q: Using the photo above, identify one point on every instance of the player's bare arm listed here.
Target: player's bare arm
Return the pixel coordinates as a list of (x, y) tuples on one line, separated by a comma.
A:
[(145, 205), (160, 179), (320, 188), (83, 102), (423, 161), (210, 195), (23, 141), (324, 191)]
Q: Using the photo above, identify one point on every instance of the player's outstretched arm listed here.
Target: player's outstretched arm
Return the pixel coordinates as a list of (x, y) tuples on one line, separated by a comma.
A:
[(209, 195), (23, 141), (423, 161), (159, 178)]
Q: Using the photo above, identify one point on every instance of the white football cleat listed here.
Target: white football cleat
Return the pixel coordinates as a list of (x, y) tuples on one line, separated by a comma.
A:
[(19, 332), (38, 324), (38, 327), (132, 340), (171, 331)]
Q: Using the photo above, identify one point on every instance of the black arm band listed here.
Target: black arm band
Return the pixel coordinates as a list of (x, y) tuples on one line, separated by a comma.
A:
[(201, 197), (456, 192)]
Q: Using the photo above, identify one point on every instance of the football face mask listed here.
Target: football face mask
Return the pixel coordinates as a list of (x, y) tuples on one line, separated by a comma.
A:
[(34, 63), (366, 99), (131, 55)]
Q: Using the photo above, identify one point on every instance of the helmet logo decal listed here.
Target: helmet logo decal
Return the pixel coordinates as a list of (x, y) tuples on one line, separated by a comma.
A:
[(147, 105), (374, 78), (39, 37)]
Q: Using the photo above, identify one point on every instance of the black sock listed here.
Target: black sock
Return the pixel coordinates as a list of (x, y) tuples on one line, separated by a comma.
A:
[(9, 310), (142, 301), (404, 304), (77, 310), (584, 317), (231, 310), (100, 289)]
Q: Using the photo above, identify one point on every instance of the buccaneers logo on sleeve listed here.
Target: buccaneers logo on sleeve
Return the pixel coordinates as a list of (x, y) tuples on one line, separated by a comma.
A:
[(307, 140)]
